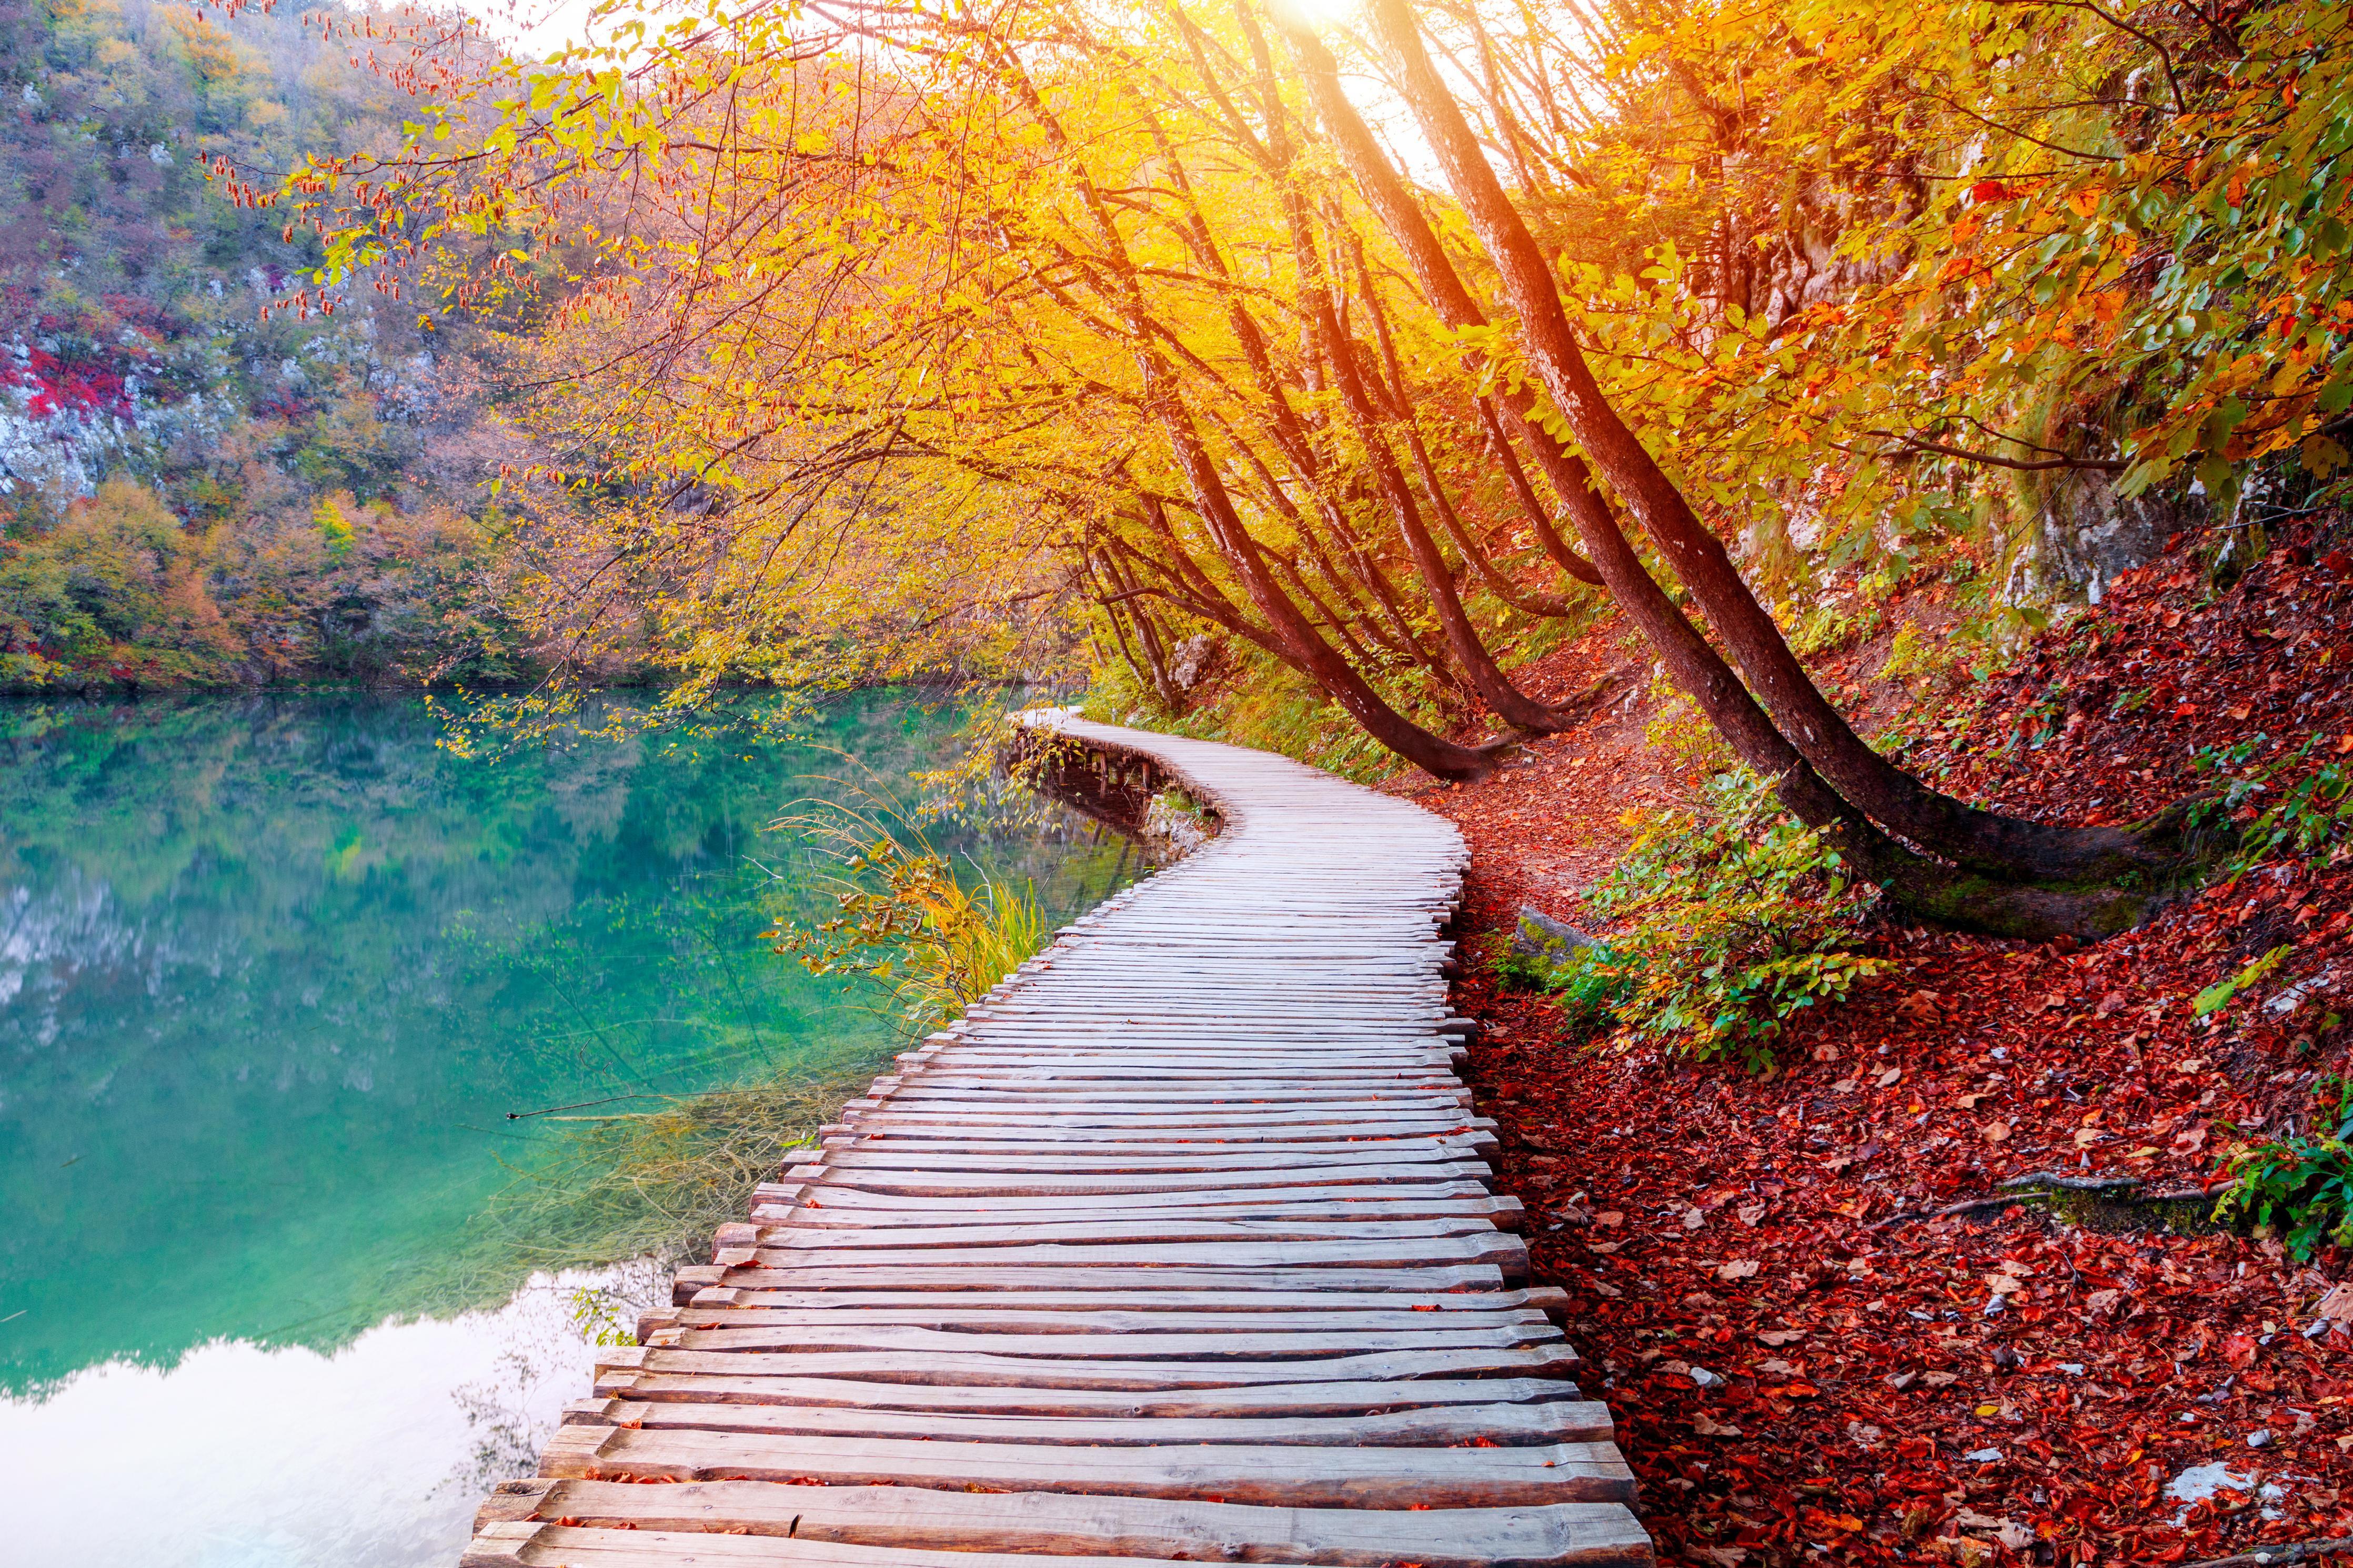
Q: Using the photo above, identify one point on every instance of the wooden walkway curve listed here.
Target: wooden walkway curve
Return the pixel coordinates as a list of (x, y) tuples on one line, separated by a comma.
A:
[(1180, 1249)]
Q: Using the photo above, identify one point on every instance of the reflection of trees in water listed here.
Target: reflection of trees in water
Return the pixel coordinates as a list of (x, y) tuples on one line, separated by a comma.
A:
[(278, 967), (512, 1413)]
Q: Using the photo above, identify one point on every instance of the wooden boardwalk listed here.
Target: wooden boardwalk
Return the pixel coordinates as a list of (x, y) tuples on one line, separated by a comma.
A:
[(1180, 1249)]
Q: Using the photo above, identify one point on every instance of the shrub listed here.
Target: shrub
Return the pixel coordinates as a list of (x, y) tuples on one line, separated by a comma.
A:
[(2301, 1185), (902, 916), (1732, 918), (1593, 985), (2304, 819)]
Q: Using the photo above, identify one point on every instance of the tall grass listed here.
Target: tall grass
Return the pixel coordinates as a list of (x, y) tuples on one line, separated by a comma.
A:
[(902, 917), (656, 1184)]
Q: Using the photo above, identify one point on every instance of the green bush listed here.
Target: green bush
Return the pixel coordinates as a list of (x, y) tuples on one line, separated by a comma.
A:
[(1593, 985), (2303, 819), (1732, 919), (2300, 1186)]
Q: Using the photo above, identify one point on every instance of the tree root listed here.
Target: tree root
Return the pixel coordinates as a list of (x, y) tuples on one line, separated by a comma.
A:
[(2092, 1191)]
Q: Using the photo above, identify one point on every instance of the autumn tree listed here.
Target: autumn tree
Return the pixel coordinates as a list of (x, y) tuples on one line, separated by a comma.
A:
[(1140, 310)]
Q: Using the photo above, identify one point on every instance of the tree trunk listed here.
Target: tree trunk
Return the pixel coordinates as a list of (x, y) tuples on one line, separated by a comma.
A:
[(1551, 606), (1339, 678), (1123, 591), (1979, 840), (1508, 702)]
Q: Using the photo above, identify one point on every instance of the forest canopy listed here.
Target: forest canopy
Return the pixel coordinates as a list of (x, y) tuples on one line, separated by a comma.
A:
[(1385, 345)]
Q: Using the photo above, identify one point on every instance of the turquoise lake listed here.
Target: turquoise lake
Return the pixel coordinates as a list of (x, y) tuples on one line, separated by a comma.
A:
[(275, 972)]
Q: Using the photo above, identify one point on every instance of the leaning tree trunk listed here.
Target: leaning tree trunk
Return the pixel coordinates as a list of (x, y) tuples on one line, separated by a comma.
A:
[(1979, 840), (1934, 890), (1339, 679)]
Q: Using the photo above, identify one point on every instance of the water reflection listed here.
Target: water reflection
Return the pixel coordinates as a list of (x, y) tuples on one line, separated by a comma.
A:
[(241, 1457), (273, 973)]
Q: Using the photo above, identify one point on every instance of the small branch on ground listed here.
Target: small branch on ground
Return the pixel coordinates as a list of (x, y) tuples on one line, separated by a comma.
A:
[(2272, 1556)]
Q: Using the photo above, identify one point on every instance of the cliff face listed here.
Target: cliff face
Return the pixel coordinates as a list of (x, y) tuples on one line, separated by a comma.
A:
[(324, 476)]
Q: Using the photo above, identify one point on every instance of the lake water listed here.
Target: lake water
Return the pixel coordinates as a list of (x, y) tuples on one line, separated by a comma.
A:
[(274, 971)]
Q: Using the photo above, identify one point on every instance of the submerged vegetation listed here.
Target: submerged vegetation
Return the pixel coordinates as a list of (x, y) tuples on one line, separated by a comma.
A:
[(925, 941)]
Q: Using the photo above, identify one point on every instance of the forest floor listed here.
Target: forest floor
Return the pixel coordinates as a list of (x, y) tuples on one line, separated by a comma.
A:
[(1808, 1362)]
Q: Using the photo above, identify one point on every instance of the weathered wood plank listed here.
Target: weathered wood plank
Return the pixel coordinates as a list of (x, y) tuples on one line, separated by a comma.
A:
[(525, 1545), (995, 1313), (1242, 1307), (831, 1218), (978, 1369), (854, 1191), (1287, 1399), (953, 1184), (1182, 1227), (1197, 1154), (782, 1338), (1501, 1248), (1445, 1426), (905, 1520), (1416, 1279), (832, 1206), (1301, 1477)]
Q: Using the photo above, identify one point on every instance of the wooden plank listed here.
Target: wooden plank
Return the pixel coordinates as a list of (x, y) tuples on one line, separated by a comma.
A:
[(1181, 1226), (859, 1194), (868, 1151), (994, 1313), (1416, 1279), (1289, 1400), (1041, 1130), (955, 1184), (811, 1221), (981, 1370), (1240, 1306), (1580, 1421), (1372, 1114), (905, 1520), (830, 1217), (1296, 1477), (529, 1545), (1501, 1248), (1227, 1091), (1276, 1344)]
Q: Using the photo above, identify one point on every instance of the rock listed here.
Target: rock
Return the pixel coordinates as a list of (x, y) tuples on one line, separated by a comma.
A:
[(1547, 941), (1192, 661), (1175, 826)]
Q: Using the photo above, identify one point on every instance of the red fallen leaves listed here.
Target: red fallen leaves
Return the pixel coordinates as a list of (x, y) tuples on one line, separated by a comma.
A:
[(1997, 1385)]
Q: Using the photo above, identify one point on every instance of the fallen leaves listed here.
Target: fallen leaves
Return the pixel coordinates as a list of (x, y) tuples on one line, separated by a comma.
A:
[(1996, 1386)]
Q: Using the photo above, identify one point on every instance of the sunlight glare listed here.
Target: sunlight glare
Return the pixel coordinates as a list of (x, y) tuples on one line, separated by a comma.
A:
[(1318, 13)]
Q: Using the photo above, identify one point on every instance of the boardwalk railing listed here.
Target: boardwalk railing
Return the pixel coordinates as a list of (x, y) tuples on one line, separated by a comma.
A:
[(1180, 1249)]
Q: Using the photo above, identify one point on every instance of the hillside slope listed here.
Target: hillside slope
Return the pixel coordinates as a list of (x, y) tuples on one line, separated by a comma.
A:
[(198, 490)]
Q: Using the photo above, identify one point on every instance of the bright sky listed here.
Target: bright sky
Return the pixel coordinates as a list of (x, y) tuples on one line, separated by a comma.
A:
[(543, 26)]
